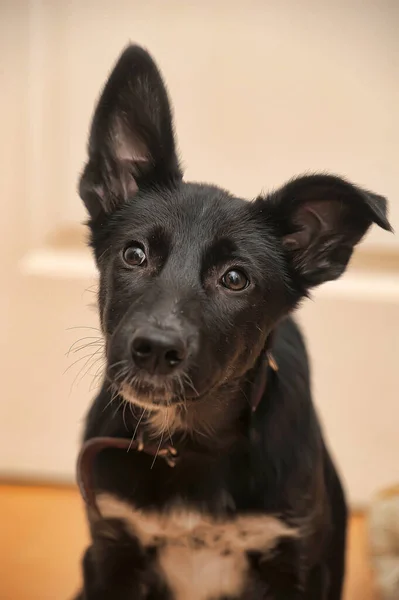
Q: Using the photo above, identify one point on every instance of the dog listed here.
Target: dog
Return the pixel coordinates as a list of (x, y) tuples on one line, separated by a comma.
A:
[(203, 465)]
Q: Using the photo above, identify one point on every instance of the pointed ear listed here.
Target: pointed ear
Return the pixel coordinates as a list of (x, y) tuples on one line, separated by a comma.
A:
[(320, 218), (131, 141)]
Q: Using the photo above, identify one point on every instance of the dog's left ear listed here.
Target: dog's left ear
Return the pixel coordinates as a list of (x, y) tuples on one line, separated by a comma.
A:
[(320, 218)]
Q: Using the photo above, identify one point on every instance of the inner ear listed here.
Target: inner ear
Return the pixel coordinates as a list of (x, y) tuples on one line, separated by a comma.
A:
[(312, 220), (125, 147), (131, 158)]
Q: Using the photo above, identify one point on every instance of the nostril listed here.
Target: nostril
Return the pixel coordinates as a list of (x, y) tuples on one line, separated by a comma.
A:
[(173, 357), (142, 348)]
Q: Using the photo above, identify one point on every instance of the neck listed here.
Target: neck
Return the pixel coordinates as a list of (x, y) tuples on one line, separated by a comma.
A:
[(217, 413), (214, 416)]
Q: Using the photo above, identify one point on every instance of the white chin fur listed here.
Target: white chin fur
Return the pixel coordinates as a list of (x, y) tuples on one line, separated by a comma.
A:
[(160, 417), (127, 393)]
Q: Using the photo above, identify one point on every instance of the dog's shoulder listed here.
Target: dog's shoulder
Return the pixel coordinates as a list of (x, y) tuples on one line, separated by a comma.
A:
[(289, 348), (285, 421)]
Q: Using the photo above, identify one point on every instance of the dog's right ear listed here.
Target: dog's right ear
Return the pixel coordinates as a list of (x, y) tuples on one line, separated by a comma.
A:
[(131, 141)]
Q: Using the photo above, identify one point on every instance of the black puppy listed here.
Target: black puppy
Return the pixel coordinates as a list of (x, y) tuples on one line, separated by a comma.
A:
[(215, 483)]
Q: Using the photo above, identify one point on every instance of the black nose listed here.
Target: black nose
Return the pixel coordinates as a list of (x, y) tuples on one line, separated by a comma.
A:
[(158, 351)]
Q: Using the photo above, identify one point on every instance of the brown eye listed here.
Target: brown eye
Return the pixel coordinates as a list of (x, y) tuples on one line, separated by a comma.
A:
[(235, 280), (134, 256)]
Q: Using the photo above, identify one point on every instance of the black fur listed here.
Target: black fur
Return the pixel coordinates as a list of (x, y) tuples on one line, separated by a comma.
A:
[(273, 461)]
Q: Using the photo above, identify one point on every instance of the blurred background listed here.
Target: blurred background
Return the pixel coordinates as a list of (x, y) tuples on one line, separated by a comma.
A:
[(262, 90)]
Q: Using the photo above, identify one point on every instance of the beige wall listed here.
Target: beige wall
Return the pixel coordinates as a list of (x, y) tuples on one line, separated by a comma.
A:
[(262, 90)]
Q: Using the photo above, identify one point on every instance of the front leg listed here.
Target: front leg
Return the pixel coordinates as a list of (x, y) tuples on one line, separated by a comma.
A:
[(117, 567), (279, 574), (91, 580), (317, 586), (106, 580)]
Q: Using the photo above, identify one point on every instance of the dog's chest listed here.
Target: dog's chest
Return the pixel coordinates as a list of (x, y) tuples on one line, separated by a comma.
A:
[(197, 556)]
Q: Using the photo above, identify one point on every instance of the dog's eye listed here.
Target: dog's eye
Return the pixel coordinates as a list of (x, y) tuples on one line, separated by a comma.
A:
[(134, 256), (235, 280)]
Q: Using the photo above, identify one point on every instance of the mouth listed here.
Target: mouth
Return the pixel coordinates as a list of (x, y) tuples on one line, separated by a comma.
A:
[(156, 392), (138, 383), (153, 391), (148, 395), (146, 398)]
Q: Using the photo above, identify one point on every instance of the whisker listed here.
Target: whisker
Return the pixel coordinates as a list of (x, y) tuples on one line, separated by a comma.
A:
[(87, 337), (121, 376), (97, 376), (166, 426), (118, 407), (190, 383), (137, 426), (113, 396), (123, 414), (96, 361), (91, 357), (91, 290), (244, 394), (76, 361), (116, 364), (88, 345), (91, 366), (158, 449), (181, 384), (83, 327)]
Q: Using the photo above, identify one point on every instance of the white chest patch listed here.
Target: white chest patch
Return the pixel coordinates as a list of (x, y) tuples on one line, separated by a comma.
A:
[(199, 557)]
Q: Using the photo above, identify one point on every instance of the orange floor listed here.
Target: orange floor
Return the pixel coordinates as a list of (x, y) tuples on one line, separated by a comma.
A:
[(43, 534)]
